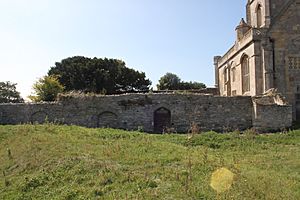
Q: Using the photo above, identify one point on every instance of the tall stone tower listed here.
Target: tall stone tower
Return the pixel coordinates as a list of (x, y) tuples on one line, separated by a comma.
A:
[(258, 13)]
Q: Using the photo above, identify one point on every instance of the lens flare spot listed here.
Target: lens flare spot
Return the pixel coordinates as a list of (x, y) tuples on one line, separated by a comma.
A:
[(222, 180)]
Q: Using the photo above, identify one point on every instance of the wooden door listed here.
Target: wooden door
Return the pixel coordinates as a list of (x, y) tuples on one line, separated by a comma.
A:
[(162, 120)]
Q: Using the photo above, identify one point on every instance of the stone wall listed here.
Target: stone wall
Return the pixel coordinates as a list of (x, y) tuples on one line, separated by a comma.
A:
[(147, 111), (269, 114)]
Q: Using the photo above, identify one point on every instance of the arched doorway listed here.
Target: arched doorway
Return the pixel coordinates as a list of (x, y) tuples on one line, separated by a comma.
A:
[(162, 120), (298, 107), (107, 120), (39, 117)]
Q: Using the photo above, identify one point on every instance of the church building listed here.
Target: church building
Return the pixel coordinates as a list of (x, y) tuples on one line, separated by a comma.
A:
[(266, 53)]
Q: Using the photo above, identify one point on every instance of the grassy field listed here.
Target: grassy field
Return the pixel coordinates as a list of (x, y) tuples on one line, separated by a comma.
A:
[(69, 162)]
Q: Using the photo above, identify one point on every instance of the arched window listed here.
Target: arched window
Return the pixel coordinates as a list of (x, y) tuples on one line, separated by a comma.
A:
[(259, 16), (245, 74), (233, 74), (225, 78)]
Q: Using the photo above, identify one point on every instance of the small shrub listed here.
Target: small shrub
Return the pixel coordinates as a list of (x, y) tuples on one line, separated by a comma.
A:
[(70, 194), (9, 154), (6, 182), (214, 146), (98, 193), (152, 184), (31, 184), (250, 133), (107, 181), (140, 129), (169, 130), (194, 129)]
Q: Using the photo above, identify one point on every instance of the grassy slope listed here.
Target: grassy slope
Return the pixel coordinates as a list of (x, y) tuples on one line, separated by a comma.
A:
[(68, 162)]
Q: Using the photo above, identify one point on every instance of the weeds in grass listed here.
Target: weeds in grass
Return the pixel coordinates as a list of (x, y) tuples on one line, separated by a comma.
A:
[(79, 163), (140, 129), (236, 134), (6, 182), (9, 154), (169, 130), (250, 134), (205, 156), (194, 128)]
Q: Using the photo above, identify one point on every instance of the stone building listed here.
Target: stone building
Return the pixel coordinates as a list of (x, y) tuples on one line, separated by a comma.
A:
[(266, 53)]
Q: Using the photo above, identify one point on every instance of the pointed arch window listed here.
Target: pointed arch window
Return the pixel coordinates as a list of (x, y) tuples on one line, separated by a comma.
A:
[(225, 75), (259, 16), (233, 74), (226, 78), (245, 74)]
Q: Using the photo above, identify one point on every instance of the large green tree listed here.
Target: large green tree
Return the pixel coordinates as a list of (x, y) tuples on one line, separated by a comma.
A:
[(9, 93), (171, 81), (46, 89), (191, 85), (98, 75)]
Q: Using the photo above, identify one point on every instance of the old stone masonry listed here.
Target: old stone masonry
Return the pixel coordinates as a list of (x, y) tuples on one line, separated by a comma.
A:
[(263, 63), (156, 112), (266, 53)]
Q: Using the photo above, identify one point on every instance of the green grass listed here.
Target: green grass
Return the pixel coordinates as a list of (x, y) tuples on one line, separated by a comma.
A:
[(69, 162)]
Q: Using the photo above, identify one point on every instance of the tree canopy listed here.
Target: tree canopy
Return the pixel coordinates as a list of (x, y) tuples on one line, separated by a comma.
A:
[(46, 89), (109, 76), (171, 81), (9, 93)]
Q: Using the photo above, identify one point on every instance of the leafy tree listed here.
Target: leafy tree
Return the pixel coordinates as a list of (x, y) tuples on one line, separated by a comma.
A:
[(191, 86), (9, 93), (169, 82), (46, 89), (172, 82), (98, 75)]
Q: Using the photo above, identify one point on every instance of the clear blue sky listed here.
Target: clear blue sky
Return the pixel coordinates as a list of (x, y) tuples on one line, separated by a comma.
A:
[(154, 36)]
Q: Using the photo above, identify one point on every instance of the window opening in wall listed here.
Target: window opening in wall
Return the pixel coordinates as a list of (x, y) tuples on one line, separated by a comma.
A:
[(233, 74), (259, 16), (245, 74), (225, 78)]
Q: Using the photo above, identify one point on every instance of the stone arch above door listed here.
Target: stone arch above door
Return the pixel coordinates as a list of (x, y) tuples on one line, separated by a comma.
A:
[(107, 119), (39, 117)]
